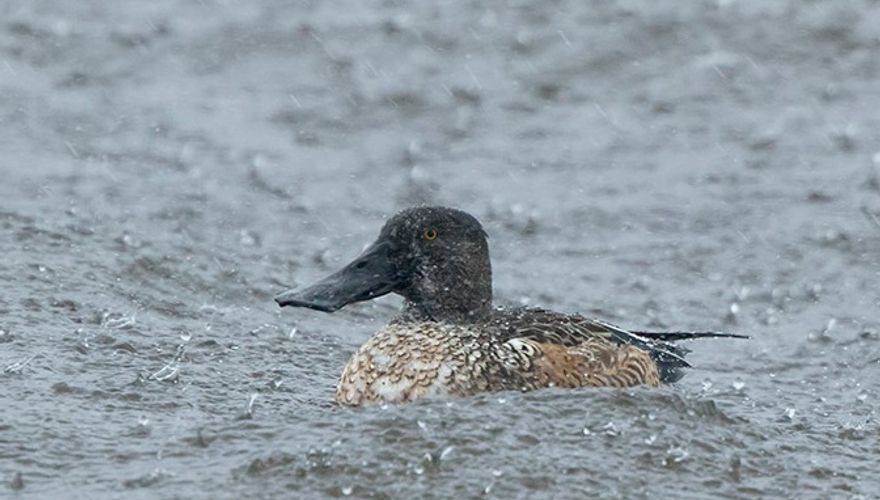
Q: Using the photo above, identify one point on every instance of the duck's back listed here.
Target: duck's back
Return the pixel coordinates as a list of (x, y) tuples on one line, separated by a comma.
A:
[(570, 350)]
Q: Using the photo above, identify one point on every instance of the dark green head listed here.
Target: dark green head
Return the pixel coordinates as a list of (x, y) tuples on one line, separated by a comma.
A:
[(436, 258)]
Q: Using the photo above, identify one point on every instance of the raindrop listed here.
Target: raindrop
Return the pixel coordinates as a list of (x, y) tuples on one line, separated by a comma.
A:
[(18, 365), (347, 490), (738, 384), (168, 372), (862, 397), (247, 238), (250, 406), (677, 454), (118, 321), (830, 326), (610, 429)]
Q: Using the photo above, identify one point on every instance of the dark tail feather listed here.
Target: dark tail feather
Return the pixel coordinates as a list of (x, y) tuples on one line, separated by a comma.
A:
[(670, 367), (673, 336)]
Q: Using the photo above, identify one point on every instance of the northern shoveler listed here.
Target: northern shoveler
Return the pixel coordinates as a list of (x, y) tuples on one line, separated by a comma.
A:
[(450, 339)]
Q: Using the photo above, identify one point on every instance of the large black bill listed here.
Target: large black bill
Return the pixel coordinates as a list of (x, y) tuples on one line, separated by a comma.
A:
[(371, 275)]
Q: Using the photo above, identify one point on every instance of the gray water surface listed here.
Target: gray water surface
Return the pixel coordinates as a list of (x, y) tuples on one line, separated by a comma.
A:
[(167, 167)]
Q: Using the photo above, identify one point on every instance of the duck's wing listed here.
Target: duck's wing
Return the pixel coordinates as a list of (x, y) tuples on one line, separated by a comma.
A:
[(595, 362), (545, 330)]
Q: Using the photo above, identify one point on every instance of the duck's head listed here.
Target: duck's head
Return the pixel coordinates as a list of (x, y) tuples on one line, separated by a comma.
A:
[(437, 258)]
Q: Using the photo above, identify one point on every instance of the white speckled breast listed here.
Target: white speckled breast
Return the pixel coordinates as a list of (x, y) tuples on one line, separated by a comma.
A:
[(405, 362)]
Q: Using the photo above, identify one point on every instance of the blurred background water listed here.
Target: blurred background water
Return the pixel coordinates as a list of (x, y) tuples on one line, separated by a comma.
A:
[(169, 166)]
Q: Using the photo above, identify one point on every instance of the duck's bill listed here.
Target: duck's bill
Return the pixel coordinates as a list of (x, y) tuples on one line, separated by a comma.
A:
[(371, 275)]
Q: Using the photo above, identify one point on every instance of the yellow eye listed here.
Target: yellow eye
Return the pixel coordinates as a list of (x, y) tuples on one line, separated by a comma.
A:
[(430, 234)]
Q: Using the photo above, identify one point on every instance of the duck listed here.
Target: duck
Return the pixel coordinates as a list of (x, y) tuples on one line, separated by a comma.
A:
[(450, 340)]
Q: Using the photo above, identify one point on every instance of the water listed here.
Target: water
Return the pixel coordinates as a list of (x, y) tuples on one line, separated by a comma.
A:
[(168, 167)]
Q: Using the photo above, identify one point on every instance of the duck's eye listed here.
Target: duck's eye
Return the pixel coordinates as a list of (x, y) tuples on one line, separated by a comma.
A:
[(430, 234)]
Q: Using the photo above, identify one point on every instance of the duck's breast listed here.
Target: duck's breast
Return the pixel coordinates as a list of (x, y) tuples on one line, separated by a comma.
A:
[(405, 362)]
